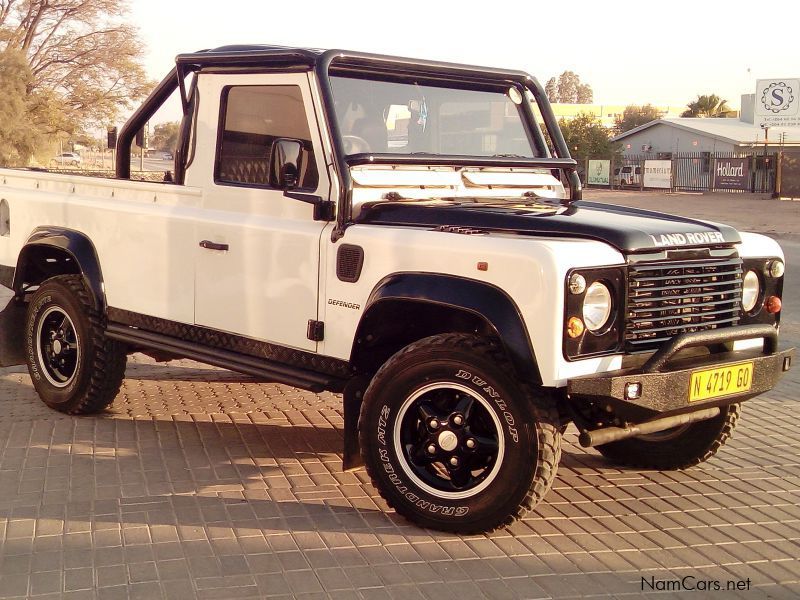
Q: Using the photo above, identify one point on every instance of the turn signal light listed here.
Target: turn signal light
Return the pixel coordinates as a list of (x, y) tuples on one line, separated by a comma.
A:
[(575, 327), (773, 305)]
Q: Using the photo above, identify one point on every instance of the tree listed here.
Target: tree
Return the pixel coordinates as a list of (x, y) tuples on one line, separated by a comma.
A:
[(568, 89), (633, 116), (585, 95), (18, 136), (165, 136), (706, 106), (83, 60), (568, 83), (587, 138), (551, 89)]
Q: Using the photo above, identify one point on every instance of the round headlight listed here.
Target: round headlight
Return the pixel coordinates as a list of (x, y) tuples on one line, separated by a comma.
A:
[(751, 288), (596, 306), (775, 268)]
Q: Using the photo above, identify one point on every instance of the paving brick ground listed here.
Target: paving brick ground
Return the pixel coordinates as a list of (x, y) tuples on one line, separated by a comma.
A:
[(203, 483)]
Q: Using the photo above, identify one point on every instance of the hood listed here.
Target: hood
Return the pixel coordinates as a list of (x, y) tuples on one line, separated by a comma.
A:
[(627, 229)]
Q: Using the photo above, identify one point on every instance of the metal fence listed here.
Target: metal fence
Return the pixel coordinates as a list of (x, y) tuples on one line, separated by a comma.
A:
[(692, 171), (789, 175)]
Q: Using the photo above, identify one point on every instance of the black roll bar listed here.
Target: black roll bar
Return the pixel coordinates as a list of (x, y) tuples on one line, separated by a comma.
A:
[(138, 120), (245, 57)]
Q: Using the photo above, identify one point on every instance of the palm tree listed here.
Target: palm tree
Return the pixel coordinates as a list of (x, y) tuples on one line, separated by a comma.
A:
[(706, 106)]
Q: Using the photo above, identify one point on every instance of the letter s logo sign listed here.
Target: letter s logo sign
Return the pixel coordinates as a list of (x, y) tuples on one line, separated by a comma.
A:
[(777, 97)]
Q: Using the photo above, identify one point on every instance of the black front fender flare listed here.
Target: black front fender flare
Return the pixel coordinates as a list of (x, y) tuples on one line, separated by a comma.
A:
[(482, 299)]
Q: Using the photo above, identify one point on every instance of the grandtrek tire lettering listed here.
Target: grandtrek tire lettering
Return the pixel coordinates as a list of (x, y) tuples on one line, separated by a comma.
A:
[(33, 365), (472, 470)]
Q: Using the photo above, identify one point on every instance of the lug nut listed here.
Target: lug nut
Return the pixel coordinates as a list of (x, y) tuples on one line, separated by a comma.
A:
[(454, 461), (433, 424), (432, 449), (458, 419), (470, 443)]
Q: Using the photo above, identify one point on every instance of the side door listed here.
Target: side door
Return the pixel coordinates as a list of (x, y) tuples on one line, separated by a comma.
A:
[(257, 249)]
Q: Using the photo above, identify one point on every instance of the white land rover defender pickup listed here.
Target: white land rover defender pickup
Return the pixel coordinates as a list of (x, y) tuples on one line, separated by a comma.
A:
[(403, 232)]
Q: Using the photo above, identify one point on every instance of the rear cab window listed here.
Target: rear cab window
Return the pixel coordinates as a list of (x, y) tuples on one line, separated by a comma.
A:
[(252, 118)]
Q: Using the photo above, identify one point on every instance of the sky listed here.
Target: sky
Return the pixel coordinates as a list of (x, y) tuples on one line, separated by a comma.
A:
[(663, 53)]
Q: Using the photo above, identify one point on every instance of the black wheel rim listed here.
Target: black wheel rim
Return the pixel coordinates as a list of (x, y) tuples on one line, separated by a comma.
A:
[(57, 346), (449, 440)]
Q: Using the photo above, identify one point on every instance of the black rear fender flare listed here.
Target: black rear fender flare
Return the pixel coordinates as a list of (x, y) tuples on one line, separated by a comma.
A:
[(74, 246)]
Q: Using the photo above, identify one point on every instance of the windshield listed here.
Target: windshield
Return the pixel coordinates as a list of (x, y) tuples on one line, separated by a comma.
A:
[(408, 118)]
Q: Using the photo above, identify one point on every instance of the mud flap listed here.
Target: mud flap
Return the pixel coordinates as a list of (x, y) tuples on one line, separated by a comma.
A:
[(353, 397), (12, 330)]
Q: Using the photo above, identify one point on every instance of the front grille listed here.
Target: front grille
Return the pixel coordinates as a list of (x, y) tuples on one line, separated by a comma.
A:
[(665, 299)]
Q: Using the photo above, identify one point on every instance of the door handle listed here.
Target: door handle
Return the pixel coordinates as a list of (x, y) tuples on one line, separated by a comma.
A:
[(208, 245)]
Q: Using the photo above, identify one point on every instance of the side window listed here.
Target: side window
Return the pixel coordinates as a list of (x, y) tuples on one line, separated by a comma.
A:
[(253, 117)]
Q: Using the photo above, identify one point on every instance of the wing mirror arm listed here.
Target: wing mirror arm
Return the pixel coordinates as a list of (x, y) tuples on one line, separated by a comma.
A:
[(324, 210)]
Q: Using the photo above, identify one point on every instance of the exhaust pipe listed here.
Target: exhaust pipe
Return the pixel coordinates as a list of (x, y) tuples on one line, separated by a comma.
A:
[(599, 437)]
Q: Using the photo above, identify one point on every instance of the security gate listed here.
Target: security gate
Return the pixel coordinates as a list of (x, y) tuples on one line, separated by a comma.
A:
[(789, 180)]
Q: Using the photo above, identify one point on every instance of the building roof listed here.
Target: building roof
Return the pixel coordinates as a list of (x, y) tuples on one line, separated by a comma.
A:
[(733, 131)]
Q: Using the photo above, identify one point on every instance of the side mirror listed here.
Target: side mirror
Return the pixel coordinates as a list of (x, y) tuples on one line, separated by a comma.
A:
[(285, 163)]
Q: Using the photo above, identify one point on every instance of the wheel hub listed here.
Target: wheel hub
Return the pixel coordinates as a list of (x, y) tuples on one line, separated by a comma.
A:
[(57, 347), (447, 441)]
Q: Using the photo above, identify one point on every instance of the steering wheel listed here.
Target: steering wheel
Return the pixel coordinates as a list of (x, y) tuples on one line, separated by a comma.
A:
[(355, 145)]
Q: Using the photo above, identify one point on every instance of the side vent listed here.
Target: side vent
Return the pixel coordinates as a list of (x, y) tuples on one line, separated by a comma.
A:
[(349, 261)]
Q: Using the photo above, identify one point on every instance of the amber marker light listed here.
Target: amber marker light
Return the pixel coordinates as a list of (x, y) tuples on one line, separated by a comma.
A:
[(575, 327), (773, 305)]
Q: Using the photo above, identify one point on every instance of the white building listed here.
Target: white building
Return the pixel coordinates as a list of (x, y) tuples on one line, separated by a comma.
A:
[(679, 134)]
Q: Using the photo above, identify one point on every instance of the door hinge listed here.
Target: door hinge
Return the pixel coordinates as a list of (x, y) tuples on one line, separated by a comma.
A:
[(316, 330)]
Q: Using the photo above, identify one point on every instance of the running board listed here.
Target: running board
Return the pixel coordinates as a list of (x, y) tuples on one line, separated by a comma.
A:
[(233, 361)]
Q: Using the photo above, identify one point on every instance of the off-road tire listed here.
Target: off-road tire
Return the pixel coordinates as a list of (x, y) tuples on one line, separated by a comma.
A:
[(100, 366), (693, 444), (526, 418)]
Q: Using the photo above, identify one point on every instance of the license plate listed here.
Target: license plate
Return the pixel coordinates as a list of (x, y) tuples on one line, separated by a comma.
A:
[(722, 381)]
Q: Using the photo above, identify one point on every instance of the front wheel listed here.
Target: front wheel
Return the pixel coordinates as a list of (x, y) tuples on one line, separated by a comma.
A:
[(453, 441), (74, 367), (677, 448)]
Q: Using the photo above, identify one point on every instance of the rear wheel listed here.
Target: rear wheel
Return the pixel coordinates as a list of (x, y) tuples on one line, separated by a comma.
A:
[(75, 369), (453, 441), (677, 448)]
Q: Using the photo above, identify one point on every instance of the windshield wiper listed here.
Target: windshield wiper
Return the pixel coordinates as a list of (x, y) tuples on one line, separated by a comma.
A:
[(509, 156)]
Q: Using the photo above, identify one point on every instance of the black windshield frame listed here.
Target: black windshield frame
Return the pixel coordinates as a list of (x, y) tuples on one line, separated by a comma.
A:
[(370, 92), (339, 62)]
